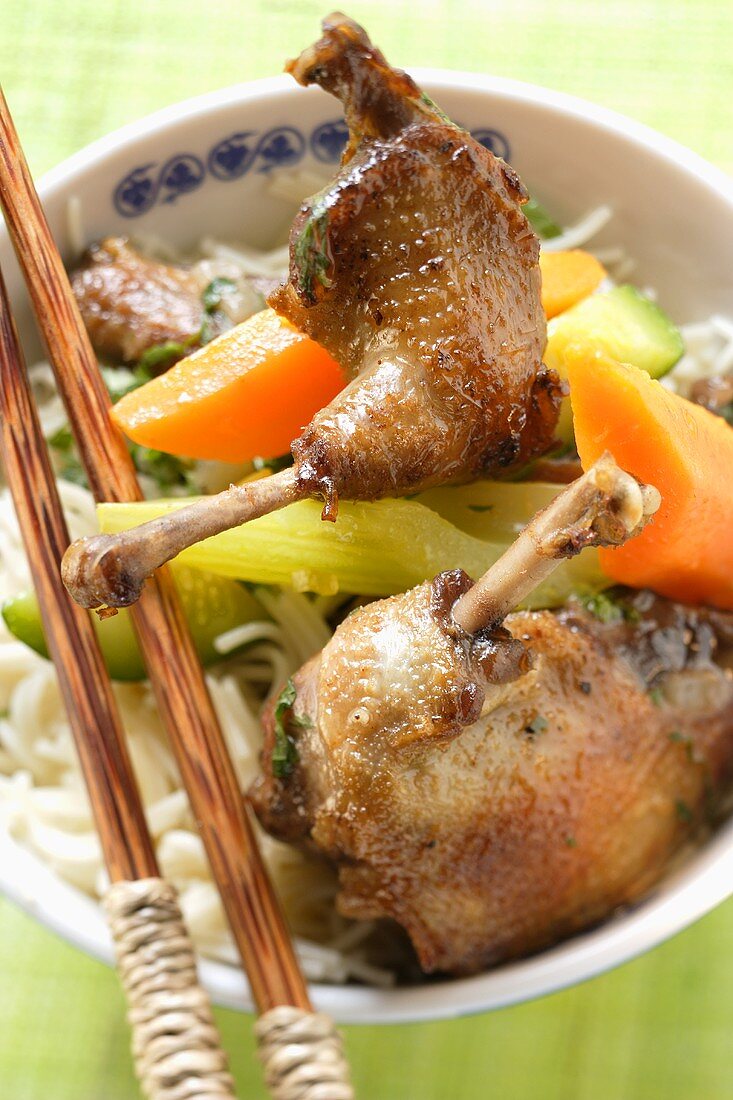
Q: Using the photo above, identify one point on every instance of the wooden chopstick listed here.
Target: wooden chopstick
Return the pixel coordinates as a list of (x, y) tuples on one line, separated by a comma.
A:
[(154, 976), (87, 693), (176, 675)]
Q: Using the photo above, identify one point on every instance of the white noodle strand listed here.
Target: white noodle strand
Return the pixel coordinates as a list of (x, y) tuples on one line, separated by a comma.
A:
[(582, 232)]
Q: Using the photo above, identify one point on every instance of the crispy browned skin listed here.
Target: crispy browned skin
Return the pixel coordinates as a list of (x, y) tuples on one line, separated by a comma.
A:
[(130, 303), (419, 272), (489, 837)]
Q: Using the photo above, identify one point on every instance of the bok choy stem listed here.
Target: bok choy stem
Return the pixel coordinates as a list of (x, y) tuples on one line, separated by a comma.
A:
[(379, 548)]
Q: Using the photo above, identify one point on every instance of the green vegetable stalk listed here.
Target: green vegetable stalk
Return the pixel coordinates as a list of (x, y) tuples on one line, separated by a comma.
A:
[(377, 549)]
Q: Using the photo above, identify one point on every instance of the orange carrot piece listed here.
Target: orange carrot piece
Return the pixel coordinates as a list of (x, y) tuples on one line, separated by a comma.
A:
[(687, 452), (247, 393), (567, 277)]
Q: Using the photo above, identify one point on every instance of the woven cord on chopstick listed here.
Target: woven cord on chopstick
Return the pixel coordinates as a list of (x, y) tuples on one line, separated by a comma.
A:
[(302, 1055), (175, 1042)]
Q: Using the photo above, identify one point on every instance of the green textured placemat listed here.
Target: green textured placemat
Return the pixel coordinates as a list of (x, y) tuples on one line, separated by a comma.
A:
[(74, 69), (658, 1028)]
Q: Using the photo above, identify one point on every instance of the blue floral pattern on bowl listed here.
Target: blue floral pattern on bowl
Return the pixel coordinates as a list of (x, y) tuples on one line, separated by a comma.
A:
[(145, 186), (231, 157), (238, 153), (328, 140), (494, 141)]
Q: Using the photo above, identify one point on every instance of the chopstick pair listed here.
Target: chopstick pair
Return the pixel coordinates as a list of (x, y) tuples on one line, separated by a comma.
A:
[(155, 957), (300, 1050)]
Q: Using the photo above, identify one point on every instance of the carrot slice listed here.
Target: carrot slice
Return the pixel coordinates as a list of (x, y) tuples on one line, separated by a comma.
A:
[(687, 452), (247, 393), (567, 277)]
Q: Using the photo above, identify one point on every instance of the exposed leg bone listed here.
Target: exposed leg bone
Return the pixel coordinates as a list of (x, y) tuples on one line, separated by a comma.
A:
[(110, 570), (604, 507)]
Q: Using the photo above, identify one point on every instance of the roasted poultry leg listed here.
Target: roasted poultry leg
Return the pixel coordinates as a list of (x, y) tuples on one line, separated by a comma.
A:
[(495, 788), (419, 272)]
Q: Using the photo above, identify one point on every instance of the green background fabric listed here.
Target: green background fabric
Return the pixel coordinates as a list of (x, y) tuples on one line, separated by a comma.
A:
[(74, 69)]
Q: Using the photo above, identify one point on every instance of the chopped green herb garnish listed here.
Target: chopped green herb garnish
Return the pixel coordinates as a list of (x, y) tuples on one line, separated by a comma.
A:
[(538, 724), (121, 381), (66, 460), (608, 609), (684, 813), (657, 696), (571, 842), (61, 440), (208, 331), (169, 471), (603, 607), (157, 357), (217, 290), (540, 220), (161, 354), (311, 253), (73, 471), (284, 753), (675, 735)]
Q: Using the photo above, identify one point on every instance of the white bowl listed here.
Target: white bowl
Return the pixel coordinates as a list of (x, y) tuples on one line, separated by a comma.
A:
[(204, 167)]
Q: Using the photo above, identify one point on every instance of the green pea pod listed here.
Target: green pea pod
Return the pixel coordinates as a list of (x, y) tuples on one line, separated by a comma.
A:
[(213, 605)]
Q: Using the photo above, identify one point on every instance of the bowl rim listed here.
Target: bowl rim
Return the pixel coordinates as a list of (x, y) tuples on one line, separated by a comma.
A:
[(705, 882), (505, 87)]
